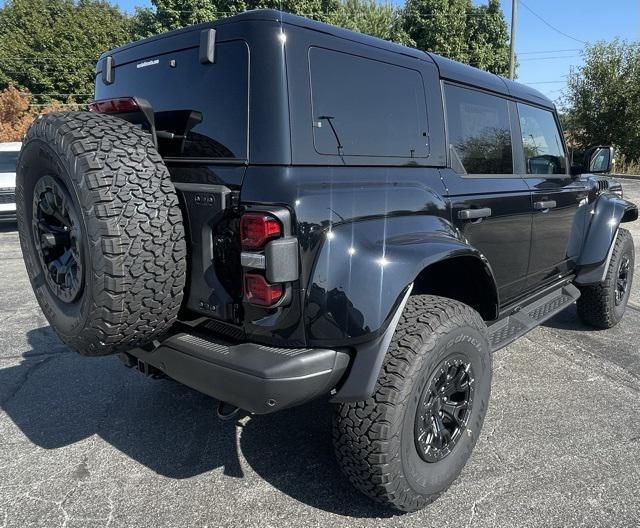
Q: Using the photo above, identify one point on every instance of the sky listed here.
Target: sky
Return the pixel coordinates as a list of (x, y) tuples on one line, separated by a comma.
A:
[(545, 54)]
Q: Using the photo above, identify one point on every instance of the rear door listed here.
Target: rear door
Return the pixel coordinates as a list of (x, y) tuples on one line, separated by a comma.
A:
[(556, 196), (490, 203)]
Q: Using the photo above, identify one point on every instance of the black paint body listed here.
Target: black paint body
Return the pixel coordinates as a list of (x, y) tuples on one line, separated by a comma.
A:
[(367, 225)]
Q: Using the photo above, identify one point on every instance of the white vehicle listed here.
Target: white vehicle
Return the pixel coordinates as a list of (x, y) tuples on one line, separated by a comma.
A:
[(8, 160)]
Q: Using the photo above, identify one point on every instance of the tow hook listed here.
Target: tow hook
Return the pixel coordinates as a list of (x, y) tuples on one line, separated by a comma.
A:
[(227, 412)]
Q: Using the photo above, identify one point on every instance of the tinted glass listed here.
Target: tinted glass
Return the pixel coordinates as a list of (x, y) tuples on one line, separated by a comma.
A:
[(600, 160), (366, 107), (208, 101), (479, 132), (543, 151), (8, 161)]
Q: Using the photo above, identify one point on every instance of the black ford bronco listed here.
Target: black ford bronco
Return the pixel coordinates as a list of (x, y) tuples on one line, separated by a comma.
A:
[(269, 209)]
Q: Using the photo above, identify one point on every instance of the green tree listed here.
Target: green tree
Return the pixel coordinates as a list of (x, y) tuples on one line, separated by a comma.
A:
[(475, 35), (603, 98), (366, 16), (51, 46)]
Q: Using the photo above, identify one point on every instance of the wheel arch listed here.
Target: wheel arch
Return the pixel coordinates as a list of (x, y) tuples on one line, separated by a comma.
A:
[(466, 278), (607, 213)]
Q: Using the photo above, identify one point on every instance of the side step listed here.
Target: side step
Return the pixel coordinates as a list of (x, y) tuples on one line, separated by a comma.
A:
[(528, 316)]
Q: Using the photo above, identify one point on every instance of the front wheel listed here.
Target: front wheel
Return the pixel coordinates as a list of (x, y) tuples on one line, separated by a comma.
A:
[(602, 305), (406, 444)]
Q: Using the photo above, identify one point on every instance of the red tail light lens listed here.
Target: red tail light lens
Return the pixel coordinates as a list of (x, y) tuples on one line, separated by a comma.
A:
[(258, 291), (257, 228), (114, 106)]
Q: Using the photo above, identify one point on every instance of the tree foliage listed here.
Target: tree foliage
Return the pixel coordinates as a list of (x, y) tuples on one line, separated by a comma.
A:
[(367, 16), (459, 30), (603, 98), (50, 46), (17, 112)]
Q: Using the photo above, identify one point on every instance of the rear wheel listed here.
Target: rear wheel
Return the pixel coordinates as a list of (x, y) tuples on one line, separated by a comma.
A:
[(602, 305), (101, 231), (406, 444)]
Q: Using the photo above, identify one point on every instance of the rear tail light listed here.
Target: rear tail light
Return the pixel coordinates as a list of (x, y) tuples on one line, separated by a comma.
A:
[(114, 106), (257, 228), (258, 291)]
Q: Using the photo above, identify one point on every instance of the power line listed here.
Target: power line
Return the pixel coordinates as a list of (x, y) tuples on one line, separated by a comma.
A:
[(551, 58), (549, 51), (543, 82), (550, 25)]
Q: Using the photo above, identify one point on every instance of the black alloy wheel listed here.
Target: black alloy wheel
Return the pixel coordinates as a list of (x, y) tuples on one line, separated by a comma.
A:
[(57, 238), (622, 281), (444, 409)]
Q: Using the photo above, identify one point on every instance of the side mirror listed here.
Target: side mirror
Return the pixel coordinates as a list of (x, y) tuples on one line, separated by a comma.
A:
[(599, 159)]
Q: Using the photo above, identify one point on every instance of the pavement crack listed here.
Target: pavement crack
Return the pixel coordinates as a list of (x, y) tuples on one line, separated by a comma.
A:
[(30, 370), (477, 502)]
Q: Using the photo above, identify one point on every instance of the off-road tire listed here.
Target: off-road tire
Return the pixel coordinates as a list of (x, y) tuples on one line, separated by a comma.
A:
[(132, 235), (374, 439), (597, 303)]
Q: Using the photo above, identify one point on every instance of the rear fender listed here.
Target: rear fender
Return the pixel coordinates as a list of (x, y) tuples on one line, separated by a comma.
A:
[(363, 269)]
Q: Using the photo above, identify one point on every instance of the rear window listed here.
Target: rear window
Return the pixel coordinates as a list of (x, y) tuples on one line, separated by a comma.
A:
[(208, 101), (8, 161), (363, 107)]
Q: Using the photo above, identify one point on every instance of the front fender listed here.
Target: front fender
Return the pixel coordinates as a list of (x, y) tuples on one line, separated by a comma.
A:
[(608, 212), (363, 269)]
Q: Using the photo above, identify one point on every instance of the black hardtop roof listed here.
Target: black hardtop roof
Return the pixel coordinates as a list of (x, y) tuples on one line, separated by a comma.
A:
[(449, 69)]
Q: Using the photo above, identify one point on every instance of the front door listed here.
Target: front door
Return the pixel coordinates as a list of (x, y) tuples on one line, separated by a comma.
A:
[(491, 204), (557, 199)]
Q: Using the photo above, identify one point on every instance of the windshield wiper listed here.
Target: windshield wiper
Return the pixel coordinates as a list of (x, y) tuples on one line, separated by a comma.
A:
[(335, 133)]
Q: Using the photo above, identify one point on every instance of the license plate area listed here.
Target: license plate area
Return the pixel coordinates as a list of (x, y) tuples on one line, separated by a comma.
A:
[(206, 206)]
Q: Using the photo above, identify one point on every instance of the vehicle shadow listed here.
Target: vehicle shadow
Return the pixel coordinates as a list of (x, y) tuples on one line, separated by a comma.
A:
[(568, 320), (57, 398)]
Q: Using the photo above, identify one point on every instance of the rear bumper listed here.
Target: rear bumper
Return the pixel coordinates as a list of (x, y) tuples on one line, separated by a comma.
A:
[(257, 378)]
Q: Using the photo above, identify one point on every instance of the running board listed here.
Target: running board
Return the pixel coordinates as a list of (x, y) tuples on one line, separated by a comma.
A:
[(528, 316)]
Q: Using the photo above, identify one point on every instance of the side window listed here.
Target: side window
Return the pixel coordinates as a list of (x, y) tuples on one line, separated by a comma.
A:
[(364, 107), (479, 132), (543, 150), (8, 161)]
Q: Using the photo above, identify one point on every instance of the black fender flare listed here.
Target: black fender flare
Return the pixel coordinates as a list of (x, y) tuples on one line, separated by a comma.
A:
[(607, 213), (361, 281)]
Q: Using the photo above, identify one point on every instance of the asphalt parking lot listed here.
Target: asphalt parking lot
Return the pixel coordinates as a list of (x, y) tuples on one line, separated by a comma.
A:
[(87, 442)]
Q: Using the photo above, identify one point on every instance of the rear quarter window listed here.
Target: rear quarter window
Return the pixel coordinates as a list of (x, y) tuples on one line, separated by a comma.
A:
[(364, 107)]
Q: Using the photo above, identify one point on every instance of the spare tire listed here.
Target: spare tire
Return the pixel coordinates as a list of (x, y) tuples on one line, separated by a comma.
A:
[(101, 231)]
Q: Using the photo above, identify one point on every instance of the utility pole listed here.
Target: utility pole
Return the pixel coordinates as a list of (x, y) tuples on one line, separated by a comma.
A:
[(514, 22)]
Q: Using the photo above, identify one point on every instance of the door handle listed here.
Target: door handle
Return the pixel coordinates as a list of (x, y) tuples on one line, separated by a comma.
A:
[(544, 205), (474, 214)]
